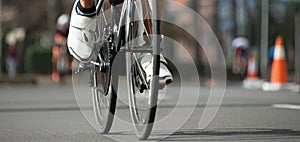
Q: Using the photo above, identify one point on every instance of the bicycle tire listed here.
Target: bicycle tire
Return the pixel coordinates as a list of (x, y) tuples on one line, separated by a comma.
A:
[(104, 107), (105, 84), (142, 114)]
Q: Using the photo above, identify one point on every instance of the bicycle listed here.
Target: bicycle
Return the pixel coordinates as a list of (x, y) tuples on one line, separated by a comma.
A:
[(128, 34)]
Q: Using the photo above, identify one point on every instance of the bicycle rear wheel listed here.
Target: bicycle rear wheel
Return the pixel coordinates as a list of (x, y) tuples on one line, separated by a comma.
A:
[(143, 44), (104, 82), (104, 103)]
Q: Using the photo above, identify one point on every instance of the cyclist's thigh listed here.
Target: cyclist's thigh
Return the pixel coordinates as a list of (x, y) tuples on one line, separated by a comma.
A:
[(146, 5), (147, 14)]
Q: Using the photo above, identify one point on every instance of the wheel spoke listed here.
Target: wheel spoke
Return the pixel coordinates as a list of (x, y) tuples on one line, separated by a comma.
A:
[(103, 96)]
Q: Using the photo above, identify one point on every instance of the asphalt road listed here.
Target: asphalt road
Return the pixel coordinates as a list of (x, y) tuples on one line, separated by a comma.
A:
[(53, 113)]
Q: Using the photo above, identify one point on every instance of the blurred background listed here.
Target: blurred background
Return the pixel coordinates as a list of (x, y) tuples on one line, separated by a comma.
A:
[(33, 51), (28, 31)]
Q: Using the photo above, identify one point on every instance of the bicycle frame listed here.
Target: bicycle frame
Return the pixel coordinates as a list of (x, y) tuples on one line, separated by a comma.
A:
[(117, 32), (124, 23)]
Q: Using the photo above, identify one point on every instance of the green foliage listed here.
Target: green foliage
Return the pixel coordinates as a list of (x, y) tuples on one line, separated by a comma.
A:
[(38, 60)]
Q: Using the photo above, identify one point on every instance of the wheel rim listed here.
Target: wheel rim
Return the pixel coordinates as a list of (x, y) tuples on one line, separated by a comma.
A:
[(142, 104)]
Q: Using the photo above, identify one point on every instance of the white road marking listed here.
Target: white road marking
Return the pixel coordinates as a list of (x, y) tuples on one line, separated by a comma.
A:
[(286, 106)]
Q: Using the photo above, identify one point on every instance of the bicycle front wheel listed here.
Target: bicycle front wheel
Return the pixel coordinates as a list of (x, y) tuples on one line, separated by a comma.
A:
[(143, 45)]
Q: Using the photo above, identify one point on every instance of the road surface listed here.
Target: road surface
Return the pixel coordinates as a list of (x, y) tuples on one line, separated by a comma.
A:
[(50, 112)]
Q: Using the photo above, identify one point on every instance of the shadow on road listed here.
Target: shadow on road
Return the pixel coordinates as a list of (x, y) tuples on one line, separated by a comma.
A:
[(232, 134)]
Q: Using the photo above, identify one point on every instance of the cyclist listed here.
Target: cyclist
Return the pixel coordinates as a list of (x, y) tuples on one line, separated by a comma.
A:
[(81, 40), (60, 41), (240, 45)]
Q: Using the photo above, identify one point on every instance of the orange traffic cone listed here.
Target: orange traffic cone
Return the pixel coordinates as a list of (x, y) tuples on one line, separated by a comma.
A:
[(252, 68), (279, 74), (252, 81)]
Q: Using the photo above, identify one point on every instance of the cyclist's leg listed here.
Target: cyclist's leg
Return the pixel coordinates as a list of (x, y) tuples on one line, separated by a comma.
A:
[(82, 30), (87, 3), (147, 16), (55, 55), (165, 74)]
